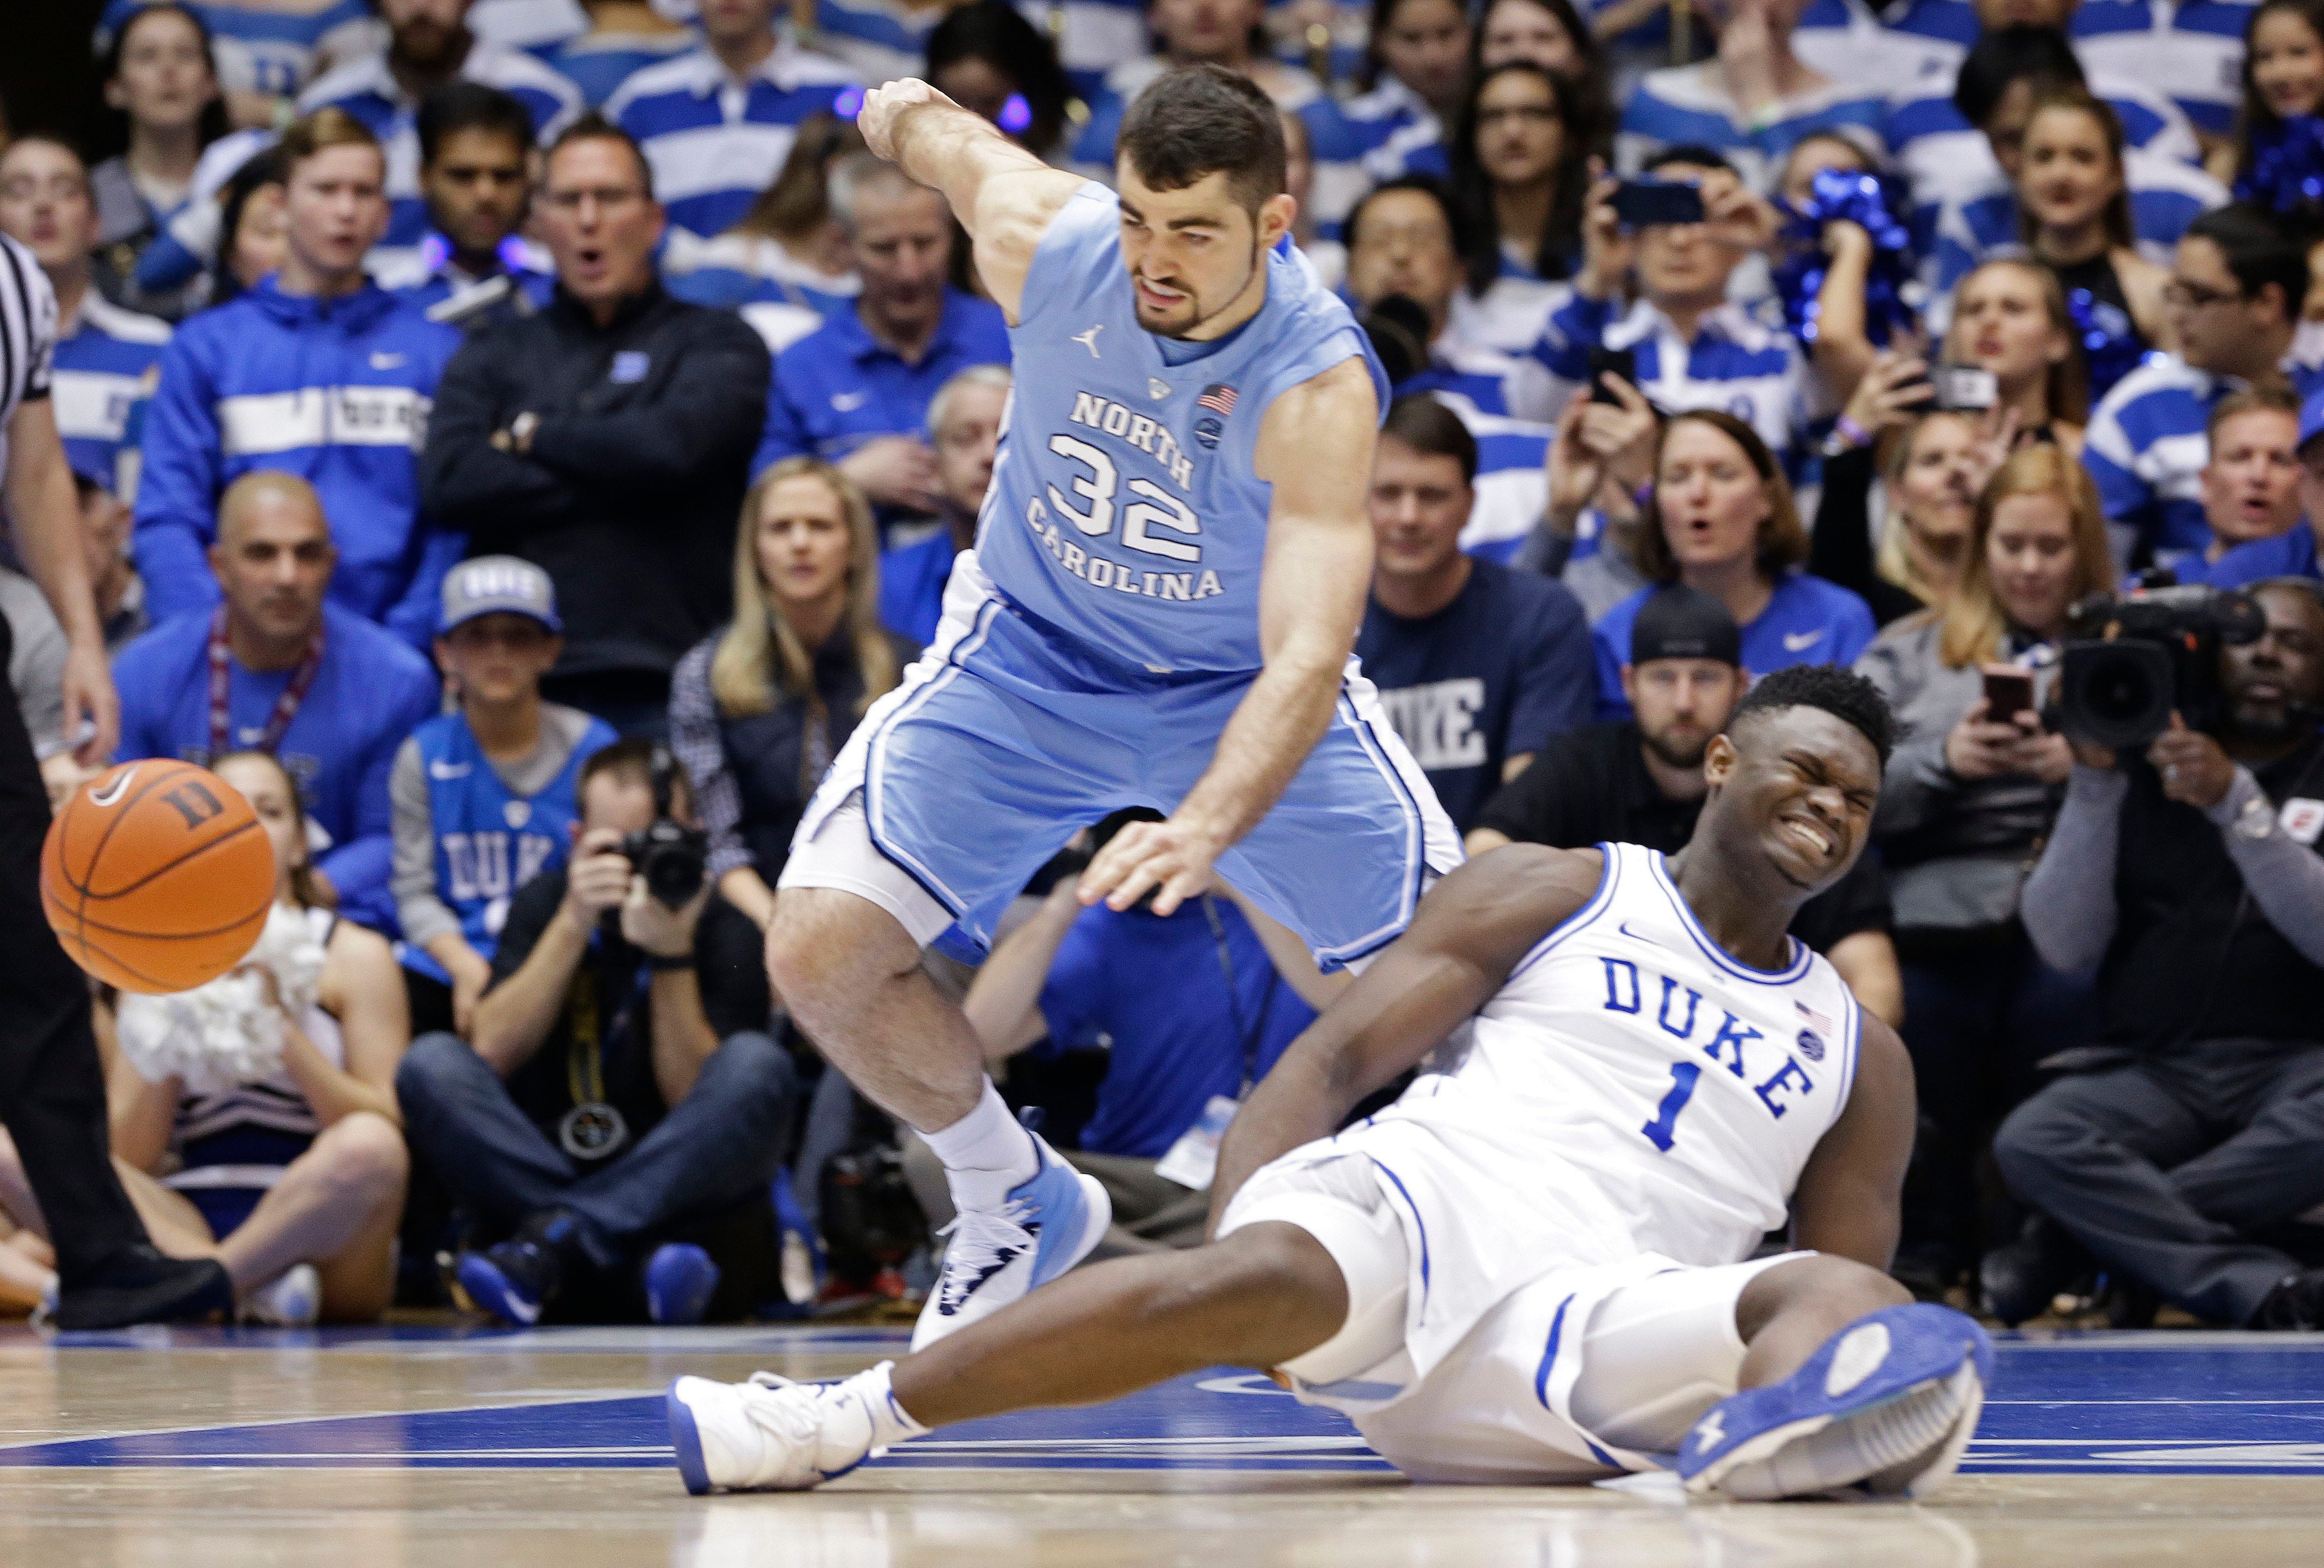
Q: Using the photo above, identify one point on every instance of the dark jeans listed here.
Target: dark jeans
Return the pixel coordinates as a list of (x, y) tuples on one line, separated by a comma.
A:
[(1979, 1015), (51, 1088), (719, 1145), (2165, 1168)]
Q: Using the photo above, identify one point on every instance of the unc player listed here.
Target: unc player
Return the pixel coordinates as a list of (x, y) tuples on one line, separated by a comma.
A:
[(1169, 571), (1531, 1268)]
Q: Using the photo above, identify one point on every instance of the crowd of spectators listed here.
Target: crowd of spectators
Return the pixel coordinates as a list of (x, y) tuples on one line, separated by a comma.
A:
[(518, 442)]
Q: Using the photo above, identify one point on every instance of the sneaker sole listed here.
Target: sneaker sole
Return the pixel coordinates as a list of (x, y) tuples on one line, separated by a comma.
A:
[(687, 1439), (1707, 1483)]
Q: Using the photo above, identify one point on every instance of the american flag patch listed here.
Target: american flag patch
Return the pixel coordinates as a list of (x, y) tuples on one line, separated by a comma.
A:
[(1218, 396), (1812, 1016)]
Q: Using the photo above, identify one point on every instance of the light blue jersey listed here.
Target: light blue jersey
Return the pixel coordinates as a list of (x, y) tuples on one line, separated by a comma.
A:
[(1095, 644), (1125, 515)]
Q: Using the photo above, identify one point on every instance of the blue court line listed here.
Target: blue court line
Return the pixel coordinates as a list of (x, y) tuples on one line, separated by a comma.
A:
[(2214, 1408)]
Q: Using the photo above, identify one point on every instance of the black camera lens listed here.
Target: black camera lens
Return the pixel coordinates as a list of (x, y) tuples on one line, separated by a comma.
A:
[(2117, 694)]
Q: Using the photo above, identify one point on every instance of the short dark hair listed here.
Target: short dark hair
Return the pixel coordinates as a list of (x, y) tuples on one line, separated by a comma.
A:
[(1426, 424), (465, 105), (2257, 252), (1202, 120), (1693, 154), (631, 762), (1427, 185), (594, 126), (1839, 691), (2002, 58)]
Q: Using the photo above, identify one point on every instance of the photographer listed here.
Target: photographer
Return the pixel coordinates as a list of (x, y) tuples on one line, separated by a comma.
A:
[(620, 1086), (2188, 874)]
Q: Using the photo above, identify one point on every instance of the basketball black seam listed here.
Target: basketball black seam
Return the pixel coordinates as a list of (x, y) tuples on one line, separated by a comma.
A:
[(120, 816), (117, 931), (204, 847)]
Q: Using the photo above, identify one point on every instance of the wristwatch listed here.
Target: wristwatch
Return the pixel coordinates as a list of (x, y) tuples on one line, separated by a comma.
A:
[(2256, 820)]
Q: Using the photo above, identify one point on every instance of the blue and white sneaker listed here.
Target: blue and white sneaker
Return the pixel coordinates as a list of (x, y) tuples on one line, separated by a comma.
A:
[(1884, 1408), (681, 1280), (767, 1435), (512, 1281), (1046, 1225)]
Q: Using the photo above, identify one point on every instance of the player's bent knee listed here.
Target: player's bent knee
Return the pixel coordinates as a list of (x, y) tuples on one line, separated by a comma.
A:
[(364, 1153), (825, 944)]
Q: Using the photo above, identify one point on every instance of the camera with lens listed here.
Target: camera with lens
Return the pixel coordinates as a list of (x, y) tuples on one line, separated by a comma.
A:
[(2135, 659), (672, 857)]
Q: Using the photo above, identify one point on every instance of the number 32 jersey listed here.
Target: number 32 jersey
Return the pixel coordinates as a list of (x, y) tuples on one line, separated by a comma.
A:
[(1124, 511)]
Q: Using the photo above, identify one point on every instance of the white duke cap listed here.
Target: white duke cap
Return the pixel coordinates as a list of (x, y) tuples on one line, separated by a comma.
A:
[(498, 584)]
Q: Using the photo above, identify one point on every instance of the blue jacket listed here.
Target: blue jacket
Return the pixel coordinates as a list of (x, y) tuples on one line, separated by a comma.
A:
[(335, 391), (370, 693)]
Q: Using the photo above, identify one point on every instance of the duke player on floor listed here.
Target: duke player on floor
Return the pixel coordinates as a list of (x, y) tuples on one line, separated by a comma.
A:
[(1168, 576), (1531, 1268)]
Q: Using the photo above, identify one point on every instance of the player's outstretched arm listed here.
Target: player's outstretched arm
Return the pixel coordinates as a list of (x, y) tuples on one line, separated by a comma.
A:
[(1315, 448), (1849, 1198), (1003, 196), (1469, 932)]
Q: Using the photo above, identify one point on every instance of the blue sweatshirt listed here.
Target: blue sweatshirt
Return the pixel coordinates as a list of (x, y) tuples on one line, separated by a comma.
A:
[(371, 692), (337, 392)]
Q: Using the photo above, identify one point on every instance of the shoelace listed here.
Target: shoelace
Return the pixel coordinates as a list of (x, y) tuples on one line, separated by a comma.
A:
[(980, 1244)]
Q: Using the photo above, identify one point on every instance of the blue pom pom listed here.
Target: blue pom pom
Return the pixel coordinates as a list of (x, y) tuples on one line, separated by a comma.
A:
[(1837, 195), (2287, 172)]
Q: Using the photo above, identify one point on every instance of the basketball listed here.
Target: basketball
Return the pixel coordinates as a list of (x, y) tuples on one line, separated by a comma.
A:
[(157, 876)]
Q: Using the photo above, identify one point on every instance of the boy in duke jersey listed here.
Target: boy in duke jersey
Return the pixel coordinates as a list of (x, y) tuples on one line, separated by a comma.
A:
[(1169, 571), (485, 796), (1531, 1268)]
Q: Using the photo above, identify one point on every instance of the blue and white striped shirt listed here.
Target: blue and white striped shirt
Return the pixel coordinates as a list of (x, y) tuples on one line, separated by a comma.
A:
[(1091, 36), (2192, 50), (1736, 362), (536, 26), (1471, 379), (599, 62), (2146, 449), (270, 49), (735, 270), (107, 361), (1689, 106), (1512, 315), (2165, 197), (878, 39), (714, 142), (1389, 122), (367, 90)]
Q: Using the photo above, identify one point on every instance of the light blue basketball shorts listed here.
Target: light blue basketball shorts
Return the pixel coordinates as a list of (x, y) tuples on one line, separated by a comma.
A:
[(1003, 741)]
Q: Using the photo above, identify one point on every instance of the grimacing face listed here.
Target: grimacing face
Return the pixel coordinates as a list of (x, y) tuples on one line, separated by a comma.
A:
[(1192, 253), (1798, 786)]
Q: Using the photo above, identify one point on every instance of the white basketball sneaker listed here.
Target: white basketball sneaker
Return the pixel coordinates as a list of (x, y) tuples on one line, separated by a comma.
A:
[(773, 1435), (295, 1300), (1046, 1225)]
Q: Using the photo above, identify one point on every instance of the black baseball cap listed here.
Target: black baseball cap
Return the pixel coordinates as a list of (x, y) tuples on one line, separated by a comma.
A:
[(1681, 622)]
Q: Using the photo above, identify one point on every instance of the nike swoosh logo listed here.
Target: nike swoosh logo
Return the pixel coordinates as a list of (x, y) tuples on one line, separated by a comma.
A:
[(447, 770), (110, 795), (848, 402), (1637, 936), (385, 362), (1795, 641)]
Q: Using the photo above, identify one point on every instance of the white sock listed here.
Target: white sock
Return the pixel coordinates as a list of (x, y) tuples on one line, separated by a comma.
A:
[(890, 1423), (985, 1153)]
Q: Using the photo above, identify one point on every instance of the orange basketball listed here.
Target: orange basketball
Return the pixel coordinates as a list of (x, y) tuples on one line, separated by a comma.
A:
[(157, 876)]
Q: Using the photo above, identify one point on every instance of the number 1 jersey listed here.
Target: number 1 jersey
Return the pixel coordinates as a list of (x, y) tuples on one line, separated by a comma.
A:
[(1124, 512)]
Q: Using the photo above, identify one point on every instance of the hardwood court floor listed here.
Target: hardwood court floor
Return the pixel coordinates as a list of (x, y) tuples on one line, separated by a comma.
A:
[(362, 1449)]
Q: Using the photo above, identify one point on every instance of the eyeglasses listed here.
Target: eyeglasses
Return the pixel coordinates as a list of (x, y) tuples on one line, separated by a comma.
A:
[(609, 198), (2182, 295)]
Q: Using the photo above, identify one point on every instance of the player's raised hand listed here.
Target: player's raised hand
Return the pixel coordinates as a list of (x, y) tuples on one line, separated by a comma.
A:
[(1170, 860), (883, 106)]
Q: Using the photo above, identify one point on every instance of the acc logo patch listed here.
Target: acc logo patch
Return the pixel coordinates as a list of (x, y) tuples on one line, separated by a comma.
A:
[(1207, 429), (1810, 1045)]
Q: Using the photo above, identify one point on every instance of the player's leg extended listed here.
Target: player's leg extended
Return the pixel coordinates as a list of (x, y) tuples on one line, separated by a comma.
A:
[(1262, 1296), (1846, 1383)]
